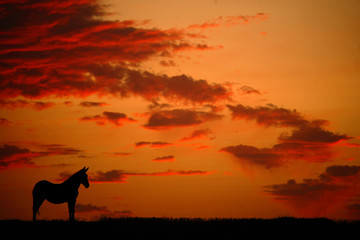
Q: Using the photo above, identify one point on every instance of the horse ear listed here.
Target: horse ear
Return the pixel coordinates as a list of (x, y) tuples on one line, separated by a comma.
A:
[(85, 169)]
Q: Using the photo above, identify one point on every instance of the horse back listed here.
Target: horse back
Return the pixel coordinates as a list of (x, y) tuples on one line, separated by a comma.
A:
[(54, 193)]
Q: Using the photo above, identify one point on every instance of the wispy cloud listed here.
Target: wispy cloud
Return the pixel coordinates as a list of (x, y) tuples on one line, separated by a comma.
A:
[(225, 21), (169, 158), (120, 176), (155, 144), (116, 118), (14, 156)]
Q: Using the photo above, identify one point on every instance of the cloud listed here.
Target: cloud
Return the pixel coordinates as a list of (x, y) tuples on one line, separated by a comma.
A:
[(269, 115), (12, 156), (166, 119), (169, 158), (313, 133), (120, 176), (307, 141), (197, 134), (92, 104), (264, 156), (305, 130), (281, 153), (5, 122), (69, 49), (155, 105), (19, 103), (117, 154), (90, 208), (248, 90), (102, 210), (229, 21), (115, 118), (332, 192), (117, 214), (156, 144)]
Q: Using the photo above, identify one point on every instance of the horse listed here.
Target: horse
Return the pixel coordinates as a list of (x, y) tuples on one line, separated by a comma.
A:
[(66, 191)]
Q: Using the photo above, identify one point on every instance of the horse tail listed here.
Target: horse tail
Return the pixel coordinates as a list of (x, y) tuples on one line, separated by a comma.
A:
[(38, 198)]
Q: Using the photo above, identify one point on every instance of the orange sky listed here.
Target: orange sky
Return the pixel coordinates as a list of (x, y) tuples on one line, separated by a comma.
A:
[(182, 108)]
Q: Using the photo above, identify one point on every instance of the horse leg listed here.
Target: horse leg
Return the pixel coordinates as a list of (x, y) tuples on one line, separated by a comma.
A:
[(71, 206), (37, 201)]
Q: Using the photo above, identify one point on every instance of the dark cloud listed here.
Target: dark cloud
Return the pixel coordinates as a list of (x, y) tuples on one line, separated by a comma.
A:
[(155, 105), (339, 171), (265, 157), (68, 49), (179, 118), (156, 144), (93, 104), (164, 158), (115, 118), (269, 115), (313, 133), (308, 140), (200, 133), (248, 90), (281, 153), (332, 192), (307, 189), (36, 105)]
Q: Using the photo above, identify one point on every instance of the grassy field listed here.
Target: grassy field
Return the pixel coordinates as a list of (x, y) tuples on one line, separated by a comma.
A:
[(182, 228)]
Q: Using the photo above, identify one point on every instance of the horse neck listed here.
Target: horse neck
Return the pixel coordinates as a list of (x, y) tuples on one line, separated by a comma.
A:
[(73, 181)]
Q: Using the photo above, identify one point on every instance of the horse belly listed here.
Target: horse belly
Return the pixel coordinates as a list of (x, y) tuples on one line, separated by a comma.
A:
[(57, 194)]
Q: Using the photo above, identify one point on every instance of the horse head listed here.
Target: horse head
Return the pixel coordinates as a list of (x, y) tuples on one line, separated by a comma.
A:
[(84, 177)]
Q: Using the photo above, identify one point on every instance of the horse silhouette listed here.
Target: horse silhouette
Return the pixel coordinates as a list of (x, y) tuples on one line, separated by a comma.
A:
[(60, 193)]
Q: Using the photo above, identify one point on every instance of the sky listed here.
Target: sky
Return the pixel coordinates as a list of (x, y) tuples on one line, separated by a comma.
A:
[(206, 108)]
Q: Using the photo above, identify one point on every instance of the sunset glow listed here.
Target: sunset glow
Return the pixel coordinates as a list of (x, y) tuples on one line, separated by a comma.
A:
[(205, 108)]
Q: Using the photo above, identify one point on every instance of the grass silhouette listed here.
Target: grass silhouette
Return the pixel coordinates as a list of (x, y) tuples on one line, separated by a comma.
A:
[(182, 228)]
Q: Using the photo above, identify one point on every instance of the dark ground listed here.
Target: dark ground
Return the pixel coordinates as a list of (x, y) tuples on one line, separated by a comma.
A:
[(183, 228)]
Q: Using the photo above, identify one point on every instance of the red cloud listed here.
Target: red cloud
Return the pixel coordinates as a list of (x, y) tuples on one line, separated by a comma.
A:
[(67, 49), (120, 176), (12, 156), (333, 192), (112, 117), (178, 118)]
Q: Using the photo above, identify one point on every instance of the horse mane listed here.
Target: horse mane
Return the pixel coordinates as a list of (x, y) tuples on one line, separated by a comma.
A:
[(75, 175)]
